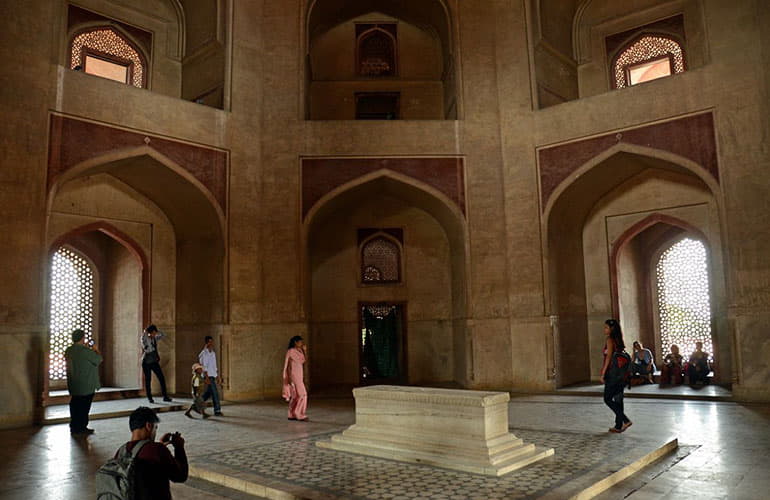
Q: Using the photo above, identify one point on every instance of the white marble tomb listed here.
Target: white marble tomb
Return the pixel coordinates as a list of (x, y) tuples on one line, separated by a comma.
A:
[(455, 429)]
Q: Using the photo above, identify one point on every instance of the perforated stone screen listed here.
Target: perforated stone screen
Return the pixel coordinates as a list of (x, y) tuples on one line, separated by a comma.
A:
[(380, 261), (647, 48), (683, 297), (72, 306), (107, 41)]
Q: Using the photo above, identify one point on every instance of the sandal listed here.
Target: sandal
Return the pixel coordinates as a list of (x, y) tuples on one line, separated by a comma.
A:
[(626, 426), (616, 430)]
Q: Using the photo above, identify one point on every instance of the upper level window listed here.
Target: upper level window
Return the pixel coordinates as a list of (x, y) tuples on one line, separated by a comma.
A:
[(376, 49), (647, 58), (380, 261), (105, 52)]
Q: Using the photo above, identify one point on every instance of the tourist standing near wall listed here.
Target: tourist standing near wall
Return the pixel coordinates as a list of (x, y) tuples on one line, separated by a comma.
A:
[(82, 380), (151, 361)]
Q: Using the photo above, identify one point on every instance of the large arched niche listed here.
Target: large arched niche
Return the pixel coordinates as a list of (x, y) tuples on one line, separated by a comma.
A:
[(433, 279), (586, 216), (122, 296), (179, 225), (426, 79), (634, 256)]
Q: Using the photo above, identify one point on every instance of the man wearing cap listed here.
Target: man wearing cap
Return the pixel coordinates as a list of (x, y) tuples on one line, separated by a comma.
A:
[(82, 381)]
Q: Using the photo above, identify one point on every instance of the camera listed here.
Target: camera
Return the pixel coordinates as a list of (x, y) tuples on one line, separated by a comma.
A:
[(172, 437)]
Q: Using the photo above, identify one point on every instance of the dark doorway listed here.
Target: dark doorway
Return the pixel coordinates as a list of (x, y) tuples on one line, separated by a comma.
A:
[(377, 105), (382, 344)]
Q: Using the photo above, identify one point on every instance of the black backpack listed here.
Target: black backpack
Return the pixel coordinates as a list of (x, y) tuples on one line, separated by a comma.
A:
[(619, 371), (115, 480)]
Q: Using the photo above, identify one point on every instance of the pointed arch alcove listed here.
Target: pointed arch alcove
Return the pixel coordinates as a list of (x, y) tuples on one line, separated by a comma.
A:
[(121, 298), (602, 226), (420, 66), (140, 195), (431, 289)]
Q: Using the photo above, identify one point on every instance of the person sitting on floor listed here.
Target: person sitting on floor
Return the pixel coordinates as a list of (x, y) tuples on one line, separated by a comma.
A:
[(643, 364), (672, 371), (698, 367)]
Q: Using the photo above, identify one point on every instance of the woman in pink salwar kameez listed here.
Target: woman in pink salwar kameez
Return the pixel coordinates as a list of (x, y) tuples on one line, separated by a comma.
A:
[(293, 386)]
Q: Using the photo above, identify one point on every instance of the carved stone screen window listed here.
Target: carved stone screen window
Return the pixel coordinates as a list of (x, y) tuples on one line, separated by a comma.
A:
[(647, 58), (105, 52), (683, 297), (72, 306), (376, 50), (380, 261)]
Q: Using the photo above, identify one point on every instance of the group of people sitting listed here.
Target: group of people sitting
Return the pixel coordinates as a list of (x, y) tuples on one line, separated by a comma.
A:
[(697, 368)]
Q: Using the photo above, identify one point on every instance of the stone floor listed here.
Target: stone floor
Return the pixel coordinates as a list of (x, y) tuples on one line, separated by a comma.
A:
[(727, 452), (703, 392)]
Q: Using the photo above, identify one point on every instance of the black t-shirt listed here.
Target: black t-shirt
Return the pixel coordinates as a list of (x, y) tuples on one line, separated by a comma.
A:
[(155, 467)]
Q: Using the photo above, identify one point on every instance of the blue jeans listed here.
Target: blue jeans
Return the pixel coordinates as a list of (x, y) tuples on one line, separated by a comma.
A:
[(212, 392)]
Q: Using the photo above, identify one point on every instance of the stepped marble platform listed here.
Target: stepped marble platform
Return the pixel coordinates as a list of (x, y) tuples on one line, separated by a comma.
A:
[(450, 428)]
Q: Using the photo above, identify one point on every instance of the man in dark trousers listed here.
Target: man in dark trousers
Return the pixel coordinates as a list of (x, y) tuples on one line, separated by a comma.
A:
[(82, 381), (155, 466), (151, 361)]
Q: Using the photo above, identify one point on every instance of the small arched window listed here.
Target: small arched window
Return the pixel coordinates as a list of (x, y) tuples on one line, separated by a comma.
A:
[(377, 52), (72, 305), (646, 58), (107, 53), (380, 261)]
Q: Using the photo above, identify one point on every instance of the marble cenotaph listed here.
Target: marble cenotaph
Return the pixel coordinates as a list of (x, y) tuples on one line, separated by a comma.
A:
[(455, 429)]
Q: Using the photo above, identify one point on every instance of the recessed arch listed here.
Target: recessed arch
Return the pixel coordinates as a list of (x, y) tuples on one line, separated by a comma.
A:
[(191, 285), (128, 243), (672, 159), (131, 287), (114, 161), (321, 14), (398, 201), (630, 233), (577, 299)]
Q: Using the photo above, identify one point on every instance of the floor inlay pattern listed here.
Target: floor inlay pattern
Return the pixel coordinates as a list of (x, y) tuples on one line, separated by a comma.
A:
[(337, 474)]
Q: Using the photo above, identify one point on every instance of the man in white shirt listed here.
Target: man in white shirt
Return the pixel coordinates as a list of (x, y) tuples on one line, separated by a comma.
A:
[(208, 359)]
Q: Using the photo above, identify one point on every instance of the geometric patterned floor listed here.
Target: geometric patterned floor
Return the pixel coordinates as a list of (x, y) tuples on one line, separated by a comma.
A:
[(332, 474)]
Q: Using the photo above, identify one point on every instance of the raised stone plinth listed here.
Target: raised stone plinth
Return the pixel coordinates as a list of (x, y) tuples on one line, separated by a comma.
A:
[(455, 429)]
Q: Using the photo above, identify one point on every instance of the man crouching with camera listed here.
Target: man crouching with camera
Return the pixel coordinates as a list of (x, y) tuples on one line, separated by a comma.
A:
[(155, 466)]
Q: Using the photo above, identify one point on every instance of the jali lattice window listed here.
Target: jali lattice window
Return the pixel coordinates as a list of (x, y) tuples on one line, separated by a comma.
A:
[(380, 261), (683, 297), (648, 58), (376, 49), (105, 52), (72, 306)]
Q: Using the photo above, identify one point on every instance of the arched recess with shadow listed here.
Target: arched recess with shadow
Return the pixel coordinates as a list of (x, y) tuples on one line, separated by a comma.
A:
[(425, 67), (432, 286), (118, 306), (177, 224), (594, 272), (634, 260)]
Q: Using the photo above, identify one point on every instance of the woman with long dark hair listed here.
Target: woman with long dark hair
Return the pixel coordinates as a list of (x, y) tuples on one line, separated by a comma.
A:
[(293, 384), (613, 387)]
